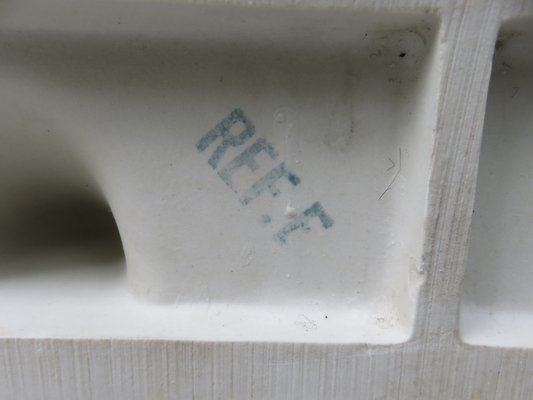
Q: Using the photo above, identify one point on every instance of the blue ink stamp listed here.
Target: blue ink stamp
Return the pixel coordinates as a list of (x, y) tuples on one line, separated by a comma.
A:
[(302, 221), (247, 157), (267, 182), (222, 130)]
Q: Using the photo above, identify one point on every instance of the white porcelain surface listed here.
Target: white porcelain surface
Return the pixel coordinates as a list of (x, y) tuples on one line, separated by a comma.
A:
[(497, 295), (127, 106)]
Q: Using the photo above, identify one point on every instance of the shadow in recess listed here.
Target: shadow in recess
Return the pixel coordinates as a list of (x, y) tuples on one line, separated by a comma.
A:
[(63, 234)]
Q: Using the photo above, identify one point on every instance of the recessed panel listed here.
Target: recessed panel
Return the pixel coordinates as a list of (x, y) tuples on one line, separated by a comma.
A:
[(267, 168), (497, 298)]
